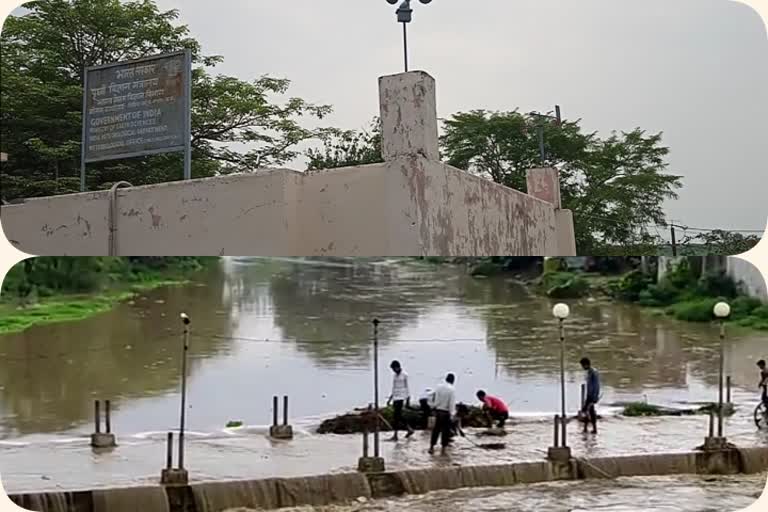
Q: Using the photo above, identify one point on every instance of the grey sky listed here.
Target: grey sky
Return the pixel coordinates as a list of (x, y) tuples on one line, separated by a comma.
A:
[(694, 69)]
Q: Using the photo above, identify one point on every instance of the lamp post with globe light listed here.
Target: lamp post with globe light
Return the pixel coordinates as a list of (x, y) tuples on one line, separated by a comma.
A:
[(561, 312), (405, 16), (721, 311)]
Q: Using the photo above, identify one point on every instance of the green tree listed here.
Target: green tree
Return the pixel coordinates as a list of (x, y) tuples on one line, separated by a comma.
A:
[(718, 241), (348, 148), (43, 55), (615, 186)]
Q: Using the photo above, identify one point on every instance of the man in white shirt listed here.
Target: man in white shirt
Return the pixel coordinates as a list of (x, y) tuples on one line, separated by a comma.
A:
[(444, 405), (400, 395)]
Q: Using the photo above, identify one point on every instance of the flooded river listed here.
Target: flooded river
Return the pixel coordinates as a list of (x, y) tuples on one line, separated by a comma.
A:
[(302, 328), (679, 494)]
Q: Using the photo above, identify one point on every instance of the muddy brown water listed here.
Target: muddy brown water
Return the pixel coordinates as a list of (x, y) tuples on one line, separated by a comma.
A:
[(264, 327)]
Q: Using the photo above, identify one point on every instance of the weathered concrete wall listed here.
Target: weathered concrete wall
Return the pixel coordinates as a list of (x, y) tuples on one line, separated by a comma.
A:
[(747, 275), (334, 488), (410, 205)]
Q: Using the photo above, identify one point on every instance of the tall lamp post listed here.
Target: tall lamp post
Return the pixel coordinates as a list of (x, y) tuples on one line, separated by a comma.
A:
[(405, 16), (185, 320), (376, 387), (561, 312), (722, 311)]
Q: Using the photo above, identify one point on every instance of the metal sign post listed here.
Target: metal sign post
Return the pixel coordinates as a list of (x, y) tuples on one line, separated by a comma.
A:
[(137, 108), (405, 16)]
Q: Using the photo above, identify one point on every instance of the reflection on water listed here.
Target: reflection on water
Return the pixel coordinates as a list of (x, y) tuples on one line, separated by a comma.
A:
[(302, 328)]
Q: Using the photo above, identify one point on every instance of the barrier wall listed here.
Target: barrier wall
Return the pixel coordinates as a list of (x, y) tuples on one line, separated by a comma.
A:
[(321, 490)]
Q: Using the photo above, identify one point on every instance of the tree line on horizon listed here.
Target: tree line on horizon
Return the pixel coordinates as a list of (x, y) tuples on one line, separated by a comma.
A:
[(615, 185)]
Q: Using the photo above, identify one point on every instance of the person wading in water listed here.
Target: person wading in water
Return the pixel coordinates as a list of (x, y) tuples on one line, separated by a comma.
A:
[(400, 395), (444, 404), (592, 395), (495, 409)]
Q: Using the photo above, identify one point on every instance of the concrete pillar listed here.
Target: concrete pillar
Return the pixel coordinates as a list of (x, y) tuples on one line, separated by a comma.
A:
[(566, 235), (544, 184), (408, 116)]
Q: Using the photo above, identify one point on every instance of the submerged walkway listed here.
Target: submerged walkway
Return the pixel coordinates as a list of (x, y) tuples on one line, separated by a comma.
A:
[(247, 453)]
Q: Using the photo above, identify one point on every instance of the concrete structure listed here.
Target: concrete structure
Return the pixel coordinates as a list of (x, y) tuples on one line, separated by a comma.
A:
[(284, 430), (320, 490), (748, 277), (101, 439), (412, 204), (743, 273)]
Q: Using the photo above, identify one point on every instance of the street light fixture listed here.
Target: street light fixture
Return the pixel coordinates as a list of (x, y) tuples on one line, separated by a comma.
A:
[(561, 312), (540, 129), (405, 16), (721, 311), (186, 321)]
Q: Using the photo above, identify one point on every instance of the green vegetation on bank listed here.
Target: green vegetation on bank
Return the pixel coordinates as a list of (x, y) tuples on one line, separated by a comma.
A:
[(689, 295), (685, 292), (58, 289)]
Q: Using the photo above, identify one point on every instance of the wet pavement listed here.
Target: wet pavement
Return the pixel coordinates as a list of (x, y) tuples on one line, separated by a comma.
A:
[(248, 453)]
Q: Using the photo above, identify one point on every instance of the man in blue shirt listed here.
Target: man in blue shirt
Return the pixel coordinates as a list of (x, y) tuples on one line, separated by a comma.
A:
[(592, 395)]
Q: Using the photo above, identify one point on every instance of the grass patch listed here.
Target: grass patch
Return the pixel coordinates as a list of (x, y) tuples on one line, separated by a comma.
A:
[(564, 285), (69, 308)]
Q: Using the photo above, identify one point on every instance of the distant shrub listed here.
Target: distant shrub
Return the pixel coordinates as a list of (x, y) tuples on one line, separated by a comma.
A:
[(699, 310)]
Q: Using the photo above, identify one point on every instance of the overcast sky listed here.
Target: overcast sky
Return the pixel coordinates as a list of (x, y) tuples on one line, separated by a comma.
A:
[(695, 69)]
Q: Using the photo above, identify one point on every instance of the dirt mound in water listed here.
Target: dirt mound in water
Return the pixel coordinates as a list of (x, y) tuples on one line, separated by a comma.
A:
[(356, 421)]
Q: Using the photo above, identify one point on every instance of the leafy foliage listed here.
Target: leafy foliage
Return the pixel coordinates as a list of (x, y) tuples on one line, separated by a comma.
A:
[(348, 148), (47, 276), (615, 186), (718, 241), (44, 53)]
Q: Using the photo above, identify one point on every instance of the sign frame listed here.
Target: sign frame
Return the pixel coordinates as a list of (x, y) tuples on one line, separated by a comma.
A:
[(186, 103)]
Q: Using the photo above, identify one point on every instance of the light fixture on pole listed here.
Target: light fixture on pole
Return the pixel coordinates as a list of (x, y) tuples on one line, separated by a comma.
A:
[(721, 311), (186, 321), (405, 16), (540, 129), (561, 312)]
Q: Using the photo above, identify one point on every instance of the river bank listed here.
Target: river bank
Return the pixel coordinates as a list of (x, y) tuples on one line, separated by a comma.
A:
[(686, 292), (49, 290)]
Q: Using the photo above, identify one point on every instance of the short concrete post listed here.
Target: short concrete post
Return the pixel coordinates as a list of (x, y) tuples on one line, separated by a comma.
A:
[(277, 431), (408, 114), (366, 463), (559, 452), (170, 475), (101, 439)]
